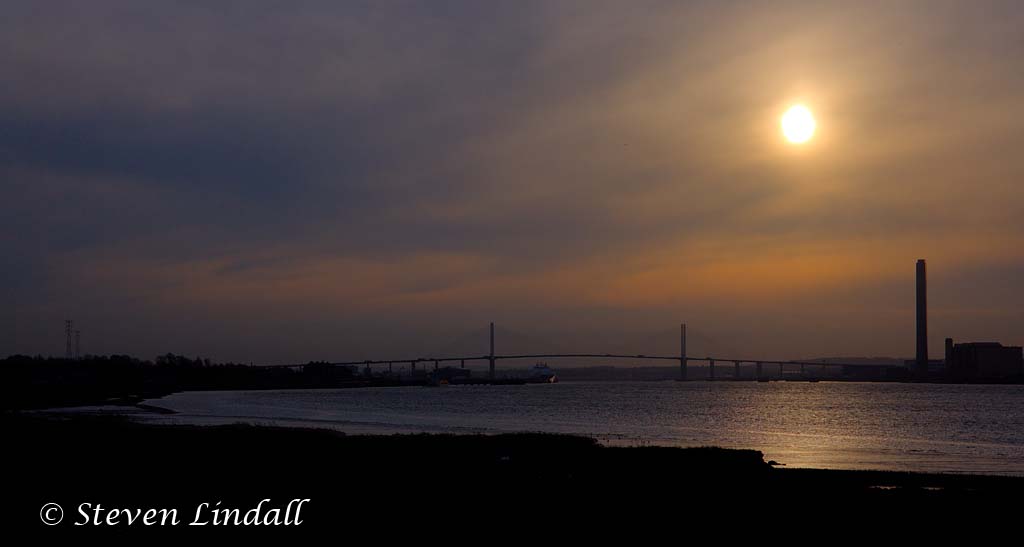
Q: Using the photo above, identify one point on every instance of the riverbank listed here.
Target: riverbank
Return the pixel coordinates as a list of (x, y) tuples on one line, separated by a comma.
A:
[(76, 459)]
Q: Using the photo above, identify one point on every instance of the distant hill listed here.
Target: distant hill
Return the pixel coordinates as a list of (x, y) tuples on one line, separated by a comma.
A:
[(858, 360), (610, 373), (699, 370)]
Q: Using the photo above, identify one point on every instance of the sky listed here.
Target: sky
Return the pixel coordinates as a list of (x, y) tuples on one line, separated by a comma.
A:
[(278, 182)]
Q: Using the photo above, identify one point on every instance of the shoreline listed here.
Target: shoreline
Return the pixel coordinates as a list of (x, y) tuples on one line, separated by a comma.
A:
[(824, 455), (76, 459), (125, 422), (351, 429)]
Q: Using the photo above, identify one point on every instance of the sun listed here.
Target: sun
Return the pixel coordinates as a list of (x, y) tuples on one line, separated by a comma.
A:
[(798, 124)]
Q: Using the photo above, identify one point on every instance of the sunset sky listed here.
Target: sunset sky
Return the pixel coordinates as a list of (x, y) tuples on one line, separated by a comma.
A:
[(279, 182)]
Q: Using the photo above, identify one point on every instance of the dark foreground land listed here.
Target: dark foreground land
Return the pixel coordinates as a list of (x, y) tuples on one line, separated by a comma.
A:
[(437, 480)]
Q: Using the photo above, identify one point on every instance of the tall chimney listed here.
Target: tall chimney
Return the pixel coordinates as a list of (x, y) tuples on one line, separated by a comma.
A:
[(921, 362)]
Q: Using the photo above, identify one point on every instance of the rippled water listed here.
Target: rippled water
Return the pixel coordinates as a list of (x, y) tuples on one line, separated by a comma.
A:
[(913, 427)]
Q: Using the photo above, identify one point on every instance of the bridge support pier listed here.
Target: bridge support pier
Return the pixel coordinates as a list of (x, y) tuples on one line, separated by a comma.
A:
[(682, 351), (780, 369), (711, 369), (736, 371), (760, 371)]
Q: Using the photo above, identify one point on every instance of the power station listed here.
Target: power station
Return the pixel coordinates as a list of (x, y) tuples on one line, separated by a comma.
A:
[(966, 362)]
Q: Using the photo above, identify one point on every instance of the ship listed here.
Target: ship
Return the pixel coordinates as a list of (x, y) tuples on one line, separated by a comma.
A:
[(541, 373)]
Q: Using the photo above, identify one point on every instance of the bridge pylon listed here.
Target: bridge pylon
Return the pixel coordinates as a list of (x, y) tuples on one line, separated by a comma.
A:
[(682, 351), (490, 356)]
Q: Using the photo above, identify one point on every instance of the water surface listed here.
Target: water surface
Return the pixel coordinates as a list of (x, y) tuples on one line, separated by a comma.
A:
[(906, 427)]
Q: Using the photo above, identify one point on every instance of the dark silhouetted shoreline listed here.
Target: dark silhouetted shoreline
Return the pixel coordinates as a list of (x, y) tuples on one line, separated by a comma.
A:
[(38, 382), (74, 459)]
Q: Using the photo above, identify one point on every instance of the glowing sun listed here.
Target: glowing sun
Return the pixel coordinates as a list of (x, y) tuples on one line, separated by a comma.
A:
[(798, 124)]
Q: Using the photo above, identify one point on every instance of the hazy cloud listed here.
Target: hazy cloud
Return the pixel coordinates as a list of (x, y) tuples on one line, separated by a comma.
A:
[(276, 182)]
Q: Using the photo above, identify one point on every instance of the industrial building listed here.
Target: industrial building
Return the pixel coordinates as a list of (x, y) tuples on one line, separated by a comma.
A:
[(983, 361)]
